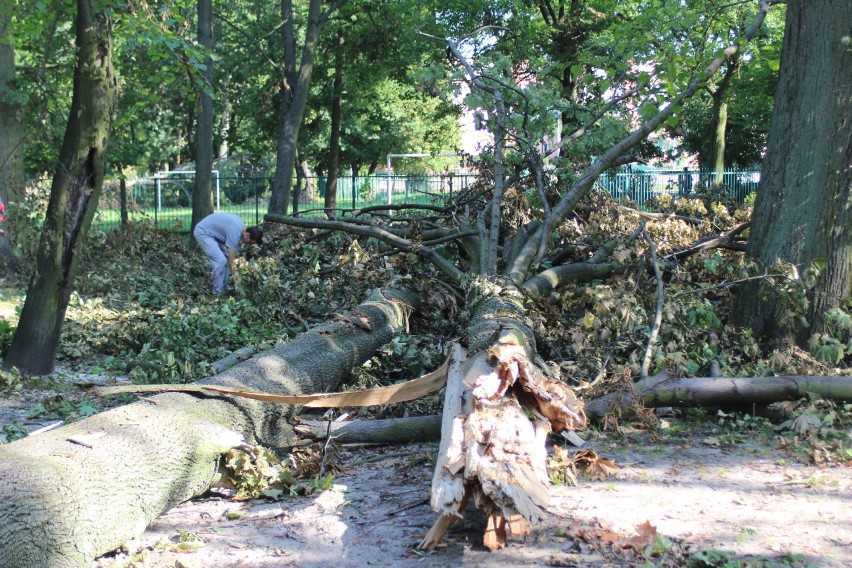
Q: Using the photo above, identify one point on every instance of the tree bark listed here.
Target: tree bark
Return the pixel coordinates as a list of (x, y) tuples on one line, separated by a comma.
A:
[(11, 131), (804, 204), (294, 95), (74, 493), (336, 117), (719, 122), (389, 431), (737, 392), (73, 196), (202, 193)]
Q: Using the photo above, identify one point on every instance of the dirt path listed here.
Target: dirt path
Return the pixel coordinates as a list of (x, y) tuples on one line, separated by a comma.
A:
[(745, 500)]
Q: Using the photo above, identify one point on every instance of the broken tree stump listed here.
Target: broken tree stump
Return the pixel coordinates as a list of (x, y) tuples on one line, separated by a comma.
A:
[(491, 451)]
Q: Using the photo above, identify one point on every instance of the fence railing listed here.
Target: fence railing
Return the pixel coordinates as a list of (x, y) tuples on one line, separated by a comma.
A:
[(166, 202), (639, 185)]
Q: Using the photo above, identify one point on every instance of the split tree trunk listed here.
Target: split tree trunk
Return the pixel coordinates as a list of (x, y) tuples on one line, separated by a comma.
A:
[(491, 453), (74, 196), (80, 491)]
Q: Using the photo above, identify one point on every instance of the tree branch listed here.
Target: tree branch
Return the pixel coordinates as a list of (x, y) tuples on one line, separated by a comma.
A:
[(524, 260), (382, 235), (658, 316)]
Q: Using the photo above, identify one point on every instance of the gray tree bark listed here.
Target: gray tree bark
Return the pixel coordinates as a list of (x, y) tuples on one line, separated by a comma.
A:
[(202, 193), (330, 201), (388, 431), (804, 205), (294, 95), (726, 392), (74, 493)]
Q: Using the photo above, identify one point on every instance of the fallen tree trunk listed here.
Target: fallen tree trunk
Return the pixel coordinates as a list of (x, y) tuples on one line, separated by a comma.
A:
[(658, 391), (387, 431), (80, 491), (665, 390)]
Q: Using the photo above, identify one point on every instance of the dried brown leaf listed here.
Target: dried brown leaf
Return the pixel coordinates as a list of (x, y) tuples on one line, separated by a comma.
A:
[(595, 466)]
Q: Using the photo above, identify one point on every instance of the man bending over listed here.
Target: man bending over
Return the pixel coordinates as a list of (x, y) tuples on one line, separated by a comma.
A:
[(219, 235)]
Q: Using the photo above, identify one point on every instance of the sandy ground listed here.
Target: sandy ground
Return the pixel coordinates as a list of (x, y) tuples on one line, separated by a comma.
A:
[(748, 501)]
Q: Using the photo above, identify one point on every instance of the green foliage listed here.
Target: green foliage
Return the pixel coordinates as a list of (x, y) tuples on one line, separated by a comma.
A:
[(255, 471), (711, 559), (60, 407), (11, 432), (836, 343), (10, 380)]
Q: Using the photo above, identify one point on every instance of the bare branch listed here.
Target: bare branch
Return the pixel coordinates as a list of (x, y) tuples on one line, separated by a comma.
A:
[(382, 235), (658, 316), (714, 242)]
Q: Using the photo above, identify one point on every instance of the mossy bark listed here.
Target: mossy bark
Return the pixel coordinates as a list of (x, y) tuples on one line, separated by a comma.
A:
[(74, 493), (74, 196)]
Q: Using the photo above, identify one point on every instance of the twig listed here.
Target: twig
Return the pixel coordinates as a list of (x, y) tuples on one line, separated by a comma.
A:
[(722, 285), (658, 317), (424, 501), (47, 428), (328, 439)]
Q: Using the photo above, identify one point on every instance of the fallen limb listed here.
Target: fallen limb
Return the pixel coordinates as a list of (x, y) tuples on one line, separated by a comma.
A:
[(721, 241), (665, 390), (658, 391), (388, 431), (234, 358), (658, 314), (85, 489)]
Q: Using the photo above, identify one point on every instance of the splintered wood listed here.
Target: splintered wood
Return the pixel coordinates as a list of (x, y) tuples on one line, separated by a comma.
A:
[(491, 450)]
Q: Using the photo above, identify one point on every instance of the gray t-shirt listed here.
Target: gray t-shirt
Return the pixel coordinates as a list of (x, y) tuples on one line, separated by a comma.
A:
[(226, 228)]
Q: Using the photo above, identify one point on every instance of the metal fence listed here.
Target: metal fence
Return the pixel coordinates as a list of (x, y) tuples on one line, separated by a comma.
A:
[(640, 184), (166, 202)]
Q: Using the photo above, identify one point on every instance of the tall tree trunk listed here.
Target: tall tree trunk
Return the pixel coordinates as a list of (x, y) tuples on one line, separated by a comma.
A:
[(122, 195), (293, 99), (719, 122), (202, 194), (11, 131), (80, 491), (804, 205), (73, 196), (336, 117), (224, 120), (719, 127)]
